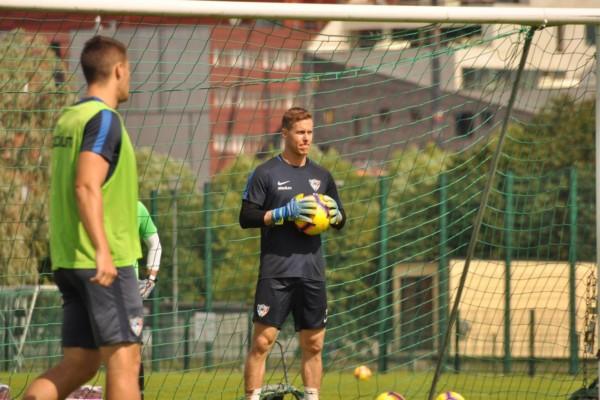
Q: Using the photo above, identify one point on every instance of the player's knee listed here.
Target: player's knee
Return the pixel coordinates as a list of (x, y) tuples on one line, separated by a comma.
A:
[(312, 346), (262, 344)]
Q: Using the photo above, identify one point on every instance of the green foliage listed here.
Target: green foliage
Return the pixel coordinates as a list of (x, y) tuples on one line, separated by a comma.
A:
[(539, 154), (413, 204), (351, 257), (235, 250), (28, 111), (169, 189)]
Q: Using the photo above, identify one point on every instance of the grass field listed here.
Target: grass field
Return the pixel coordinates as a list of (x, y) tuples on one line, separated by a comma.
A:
[(228, 385)]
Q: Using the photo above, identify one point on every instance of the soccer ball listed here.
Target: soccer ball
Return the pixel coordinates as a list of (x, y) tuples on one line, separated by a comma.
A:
[(390, 396), (449, 396), (320, 221), (86, 392), (362, 372)]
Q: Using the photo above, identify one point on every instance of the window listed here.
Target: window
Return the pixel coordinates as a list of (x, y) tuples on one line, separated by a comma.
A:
[(357, 125), (368, 38), (471, 78), (55, 47), (384, 116), (58, 74), (415, 115), (490, 78), (560, 34), (462, 32), (590, 35), (407, 35), (416, 313), (235, 144), (267, 23), (363, 126), (487, 118), (328, 117), (464, 123)]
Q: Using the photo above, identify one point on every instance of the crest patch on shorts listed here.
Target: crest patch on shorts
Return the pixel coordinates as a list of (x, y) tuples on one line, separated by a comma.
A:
[(136, 324), (262, 310)]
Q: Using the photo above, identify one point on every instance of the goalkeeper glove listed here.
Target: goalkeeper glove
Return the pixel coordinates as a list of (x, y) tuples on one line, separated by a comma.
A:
[(146, 286), (335, 216), (301, 209)]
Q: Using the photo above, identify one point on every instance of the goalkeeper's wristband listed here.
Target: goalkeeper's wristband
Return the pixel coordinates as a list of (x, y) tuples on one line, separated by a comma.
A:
[(153, 278), (277, 215), (280, 214)]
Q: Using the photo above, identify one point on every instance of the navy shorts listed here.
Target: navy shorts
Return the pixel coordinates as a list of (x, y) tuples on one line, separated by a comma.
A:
[(95, 316), (306, 299)]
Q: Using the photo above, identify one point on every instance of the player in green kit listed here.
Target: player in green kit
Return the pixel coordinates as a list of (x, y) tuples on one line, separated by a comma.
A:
[(149, 234)]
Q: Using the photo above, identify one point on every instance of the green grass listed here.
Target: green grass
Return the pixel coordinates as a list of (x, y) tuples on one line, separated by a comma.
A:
[(220, 384)]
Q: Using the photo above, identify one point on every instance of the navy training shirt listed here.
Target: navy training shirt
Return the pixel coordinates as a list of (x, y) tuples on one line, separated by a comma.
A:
[(286, 252)]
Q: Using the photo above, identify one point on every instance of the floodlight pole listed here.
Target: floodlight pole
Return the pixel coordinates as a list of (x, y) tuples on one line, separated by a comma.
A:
[(597, 183)]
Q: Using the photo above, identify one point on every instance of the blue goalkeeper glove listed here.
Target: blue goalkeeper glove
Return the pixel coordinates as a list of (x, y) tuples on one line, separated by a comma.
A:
[(335, 216), (295, 210)]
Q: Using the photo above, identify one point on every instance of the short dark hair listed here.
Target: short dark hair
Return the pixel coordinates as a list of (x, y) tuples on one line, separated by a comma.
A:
[(98, 57), (293, 115)]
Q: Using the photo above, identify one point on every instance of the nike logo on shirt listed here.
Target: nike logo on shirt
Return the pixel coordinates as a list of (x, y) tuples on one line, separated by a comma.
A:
[(282, 183)]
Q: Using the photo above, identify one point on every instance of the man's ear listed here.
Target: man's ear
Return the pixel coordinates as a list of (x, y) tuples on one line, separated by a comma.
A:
[(119, 70), (284, 132)]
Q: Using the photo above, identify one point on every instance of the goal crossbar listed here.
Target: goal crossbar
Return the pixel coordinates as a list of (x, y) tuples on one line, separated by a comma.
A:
[(341, 12)]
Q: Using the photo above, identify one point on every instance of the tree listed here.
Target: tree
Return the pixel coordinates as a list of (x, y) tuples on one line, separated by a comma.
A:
[(539, 153), (30, 100), (165, 182)]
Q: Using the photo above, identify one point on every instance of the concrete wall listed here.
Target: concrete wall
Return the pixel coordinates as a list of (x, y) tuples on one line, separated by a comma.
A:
[(541, 286), (168, 109)]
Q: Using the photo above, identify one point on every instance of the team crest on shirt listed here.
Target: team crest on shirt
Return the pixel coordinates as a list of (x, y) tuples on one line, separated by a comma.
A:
[(315, 184), (136, 324), (262, 310)]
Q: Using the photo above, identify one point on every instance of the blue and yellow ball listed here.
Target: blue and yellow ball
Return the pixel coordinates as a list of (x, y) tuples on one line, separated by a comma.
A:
[(320, 221), (449, 396), (390, 396)]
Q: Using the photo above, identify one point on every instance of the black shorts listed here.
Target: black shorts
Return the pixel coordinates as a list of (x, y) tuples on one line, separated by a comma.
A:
[(95, 316), (276, 297)]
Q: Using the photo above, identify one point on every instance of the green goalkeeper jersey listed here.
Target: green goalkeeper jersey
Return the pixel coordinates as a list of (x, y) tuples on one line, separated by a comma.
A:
[(146, 226), (70, 245)]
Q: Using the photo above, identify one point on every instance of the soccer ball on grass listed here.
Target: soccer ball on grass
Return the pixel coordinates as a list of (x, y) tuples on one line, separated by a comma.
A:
[(390, 396), (362, 373), (449, 396)]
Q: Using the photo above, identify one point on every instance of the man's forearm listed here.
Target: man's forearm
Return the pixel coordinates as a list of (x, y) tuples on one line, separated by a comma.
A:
[(154, 254), (89, 205)]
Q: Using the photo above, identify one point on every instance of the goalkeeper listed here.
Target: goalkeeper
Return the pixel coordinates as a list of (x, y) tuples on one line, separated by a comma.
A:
[(149, 234), (292, 269)]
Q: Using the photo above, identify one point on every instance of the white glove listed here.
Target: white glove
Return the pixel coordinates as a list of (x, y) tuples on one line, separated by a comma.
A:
[(335, 216), (146, 286)]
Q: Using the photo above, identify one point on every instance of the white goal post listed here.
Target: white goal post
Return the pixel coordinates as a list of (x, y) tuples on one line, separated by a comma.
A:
[(337, 12)]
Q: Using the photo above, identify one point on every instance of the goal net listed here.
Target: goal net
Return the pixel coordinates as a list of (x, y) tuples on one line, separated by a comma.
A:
[(464, 157)]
